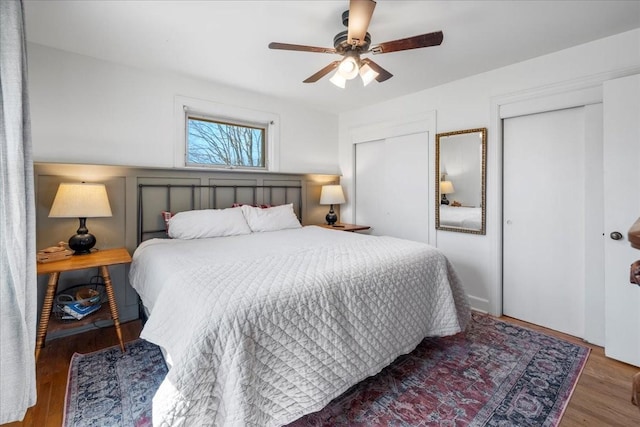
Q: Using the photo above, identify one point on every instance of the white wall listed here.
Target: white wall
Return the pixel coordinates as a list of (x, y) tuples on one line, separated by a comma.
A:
[(470, 103), (90, 111), (86, 110)]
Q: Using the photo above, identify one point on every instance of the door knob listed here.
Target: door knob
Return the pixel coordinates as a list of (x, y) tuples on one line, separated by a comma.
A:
[(616, 235)]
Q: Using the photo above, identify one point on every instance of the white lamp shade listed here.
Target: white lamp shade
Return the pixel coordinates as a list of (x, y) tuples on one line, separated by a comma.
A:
[(446, 187), (80, 200), (338, 80), (367, 74), (331, 195)]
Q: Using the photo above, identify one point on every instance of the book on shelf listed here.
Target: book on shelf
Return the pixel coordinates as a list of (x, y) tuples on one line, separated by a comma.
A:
[(78, 311)]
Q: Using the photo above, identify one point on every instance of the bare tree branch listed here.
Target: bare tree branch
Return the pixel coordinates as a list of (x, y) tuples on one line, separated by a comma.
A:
[(224, 144)]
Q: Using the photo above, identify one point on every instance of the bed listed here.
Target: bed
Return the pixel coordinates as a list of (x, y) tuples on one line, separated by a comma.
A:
[(461, 216), (262, 327)]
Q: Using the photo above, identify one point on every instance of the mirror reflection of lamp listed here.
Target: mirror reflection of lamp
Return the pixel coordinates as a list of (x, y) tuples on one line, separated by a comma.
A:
[(446, 187)]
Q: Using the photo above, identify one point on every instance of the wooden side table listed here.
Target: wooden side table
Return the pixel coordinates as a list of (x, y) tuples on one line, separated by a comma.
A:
[(101, 259), (345, 227)]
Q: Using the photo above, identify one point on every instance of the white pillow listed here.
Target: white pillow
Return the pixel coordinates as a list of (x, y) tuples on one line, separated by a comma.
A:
[(206, 223), (270, 219)]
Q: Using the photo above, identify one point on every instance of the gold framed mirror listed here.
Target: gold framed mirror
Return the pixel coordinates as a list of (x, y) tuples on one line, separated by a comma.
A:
[(461, 159)]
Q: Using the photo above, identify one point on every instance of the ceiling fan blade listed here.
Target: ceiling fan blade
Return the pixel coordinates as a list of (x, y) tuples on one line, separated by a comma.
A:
[(415, 42), (360, 12), (320, 74), (382, 73), (301, 48)]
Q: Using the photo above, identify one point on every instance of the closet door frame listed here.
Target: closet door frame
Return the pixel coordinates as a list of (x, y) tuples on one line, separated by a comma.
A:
[(569, 94)]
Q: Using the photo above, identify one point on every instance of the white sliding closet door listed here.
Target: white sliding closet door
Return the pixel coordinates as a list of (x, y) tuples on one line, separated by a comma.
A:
[(544, 219), (392, 186), (622, 208)]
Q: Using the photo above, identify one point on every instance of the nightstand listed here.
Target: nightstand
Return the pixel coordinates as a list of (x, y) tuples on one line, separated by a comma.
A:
[(345, 227), (101, 259)]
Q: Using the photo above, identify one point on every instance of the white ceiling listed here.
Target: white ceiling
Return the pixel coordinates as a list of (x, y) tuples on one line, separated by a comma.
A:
[(226, 41)]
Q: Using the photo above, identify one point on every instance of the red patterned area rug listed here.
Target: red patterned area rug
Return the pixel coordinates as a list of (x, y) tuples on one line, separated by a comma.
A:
[(494, 374)]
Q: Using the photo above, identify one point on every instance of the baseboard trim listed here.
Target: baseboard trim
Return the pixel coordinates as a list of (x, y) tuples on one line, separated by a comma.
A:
[(479, 304)]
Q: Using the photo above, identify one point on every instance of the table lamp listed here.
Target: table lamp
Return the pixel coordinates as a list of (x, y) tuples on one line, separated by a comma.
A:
[(446, 187), (82, 201), (331, 195)]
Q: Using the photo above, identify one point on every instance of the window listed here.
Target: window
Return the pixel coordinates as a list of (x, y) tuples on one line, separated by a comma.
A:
[(212, 142), (213, 135)]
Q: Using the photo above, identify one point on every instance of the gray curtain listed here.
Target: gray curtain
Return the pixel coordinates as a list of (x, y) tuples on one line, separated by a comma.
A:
[(18, 290)]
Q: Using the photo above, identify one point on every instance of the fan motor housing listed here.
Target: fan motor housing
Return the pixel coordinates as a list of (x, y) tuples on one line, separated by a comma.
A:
[(341, 43)]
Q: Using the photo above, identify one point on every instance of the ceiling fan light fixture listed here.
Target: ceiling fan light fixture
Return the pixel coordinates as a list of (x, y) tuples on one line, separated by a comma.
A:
[(338, 80), (348, 68), (356, 41), (367, 74)]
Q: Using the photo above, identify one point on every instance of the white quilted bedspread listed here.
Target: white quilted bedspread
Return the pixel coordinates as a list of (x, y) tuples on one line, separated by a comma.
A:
[(264, 328)]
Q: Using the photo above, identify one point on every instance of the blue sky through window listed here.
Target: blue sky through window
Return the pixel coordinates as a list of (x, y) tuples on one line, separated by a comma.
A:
[(216, 143)]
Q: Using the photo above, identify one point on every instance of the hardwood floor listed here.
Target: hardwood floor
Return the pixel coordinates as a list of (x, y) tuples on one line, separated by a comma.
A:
[(601, 398)]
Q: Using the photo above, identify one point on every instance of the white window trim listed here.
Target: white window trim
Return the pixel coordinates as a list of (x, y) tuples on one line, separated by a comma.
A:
[(201, 107)]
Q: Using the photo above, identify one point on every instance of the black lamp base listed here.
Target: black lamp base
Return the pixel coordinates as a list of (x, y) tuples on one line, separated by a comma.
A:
[(82, 242), (444, 200), (331, 217)]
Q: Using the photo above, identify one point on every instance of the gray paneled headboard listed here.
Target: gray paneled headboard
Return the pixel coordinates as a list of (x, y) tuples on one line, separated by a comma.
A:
[(122, 229), (155, 198)]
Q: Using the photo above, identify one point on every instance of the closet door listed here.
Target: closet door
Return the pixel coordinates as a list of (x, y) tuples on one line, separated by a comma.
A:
[(369, 180), (622, 208), (392, 186), (544, 219)]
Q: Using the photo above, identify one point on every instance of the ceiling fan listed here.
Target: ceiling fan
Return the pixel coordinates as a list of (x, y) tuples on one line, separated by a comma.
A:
[(356, 41)]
